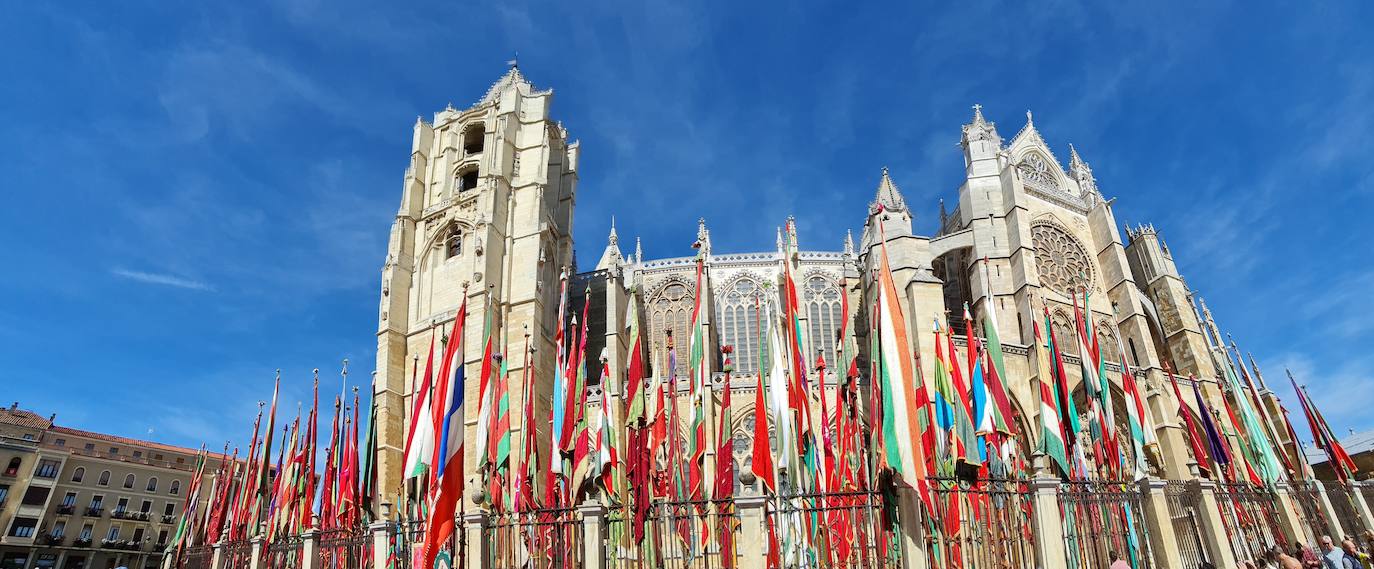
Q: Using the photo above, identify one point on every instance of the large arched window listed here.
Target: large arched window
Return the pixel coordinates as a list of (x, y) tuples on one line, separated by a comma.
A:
[(152, 484), (1065, 336), (78, 474), (670, 309), (821, 298), (104, 478), (743, 307), (129, 481), (176, 487), (1107, 348)]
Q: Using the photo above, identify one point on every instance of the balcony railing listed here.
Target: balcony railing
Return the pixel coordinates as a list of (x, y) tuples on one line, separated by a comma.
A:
[(167, 519), (94, 511), (66, 509), (54, 539)]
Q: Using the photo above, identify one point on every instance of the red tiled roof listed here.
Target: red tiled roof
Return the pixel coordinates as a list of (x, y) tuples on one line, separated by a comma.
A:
[(23, 418), (123, 440)]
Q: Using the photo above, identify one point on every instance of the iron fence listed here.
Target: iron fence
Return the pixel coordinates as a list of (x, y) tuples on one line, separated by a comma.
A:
[(236, 554), (1343, 503), (839, 529), (199, 557), (1104, 520), (1251, 518), (404, 538), (1183, 499), (676, 534), (284, 553), (543, 539), (345, 548), (1307, 502), (983, 524)]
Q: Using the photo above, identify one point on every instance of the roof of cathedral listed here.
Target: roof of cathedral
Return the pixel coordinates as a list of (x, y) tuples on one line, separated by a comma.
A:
[(512, 78), (889, 196)]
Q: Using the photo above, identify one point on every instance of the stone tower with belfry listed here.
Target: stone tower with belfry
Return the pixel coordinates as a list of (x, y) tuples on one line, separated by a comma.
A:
[(486, 208)]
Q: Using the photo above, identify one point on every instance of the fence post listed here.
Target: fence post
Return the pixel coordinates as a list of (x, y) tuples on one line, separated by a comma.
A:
[(913, 532), (1332, 520), (217, 551), (1049, 524), (753, 545), (1288, 515), (593, 518), (1160, 524), (256, 561), (1215, 537), (310, 549), (1361, 505), (381, 544), (474, 545)]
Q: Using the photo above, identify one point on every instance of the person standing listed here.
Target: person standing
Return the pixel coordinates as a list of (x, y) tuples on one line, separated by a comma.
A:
[(1360, 558), (1118, 562), (1335, 558)]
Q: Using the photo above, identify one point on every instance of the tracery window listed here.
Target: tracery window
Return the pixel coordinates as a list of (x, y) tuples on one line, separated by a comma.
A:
[(670, 309), (1036, 172), (1060, 260), (1107, 348), (454, 247), (822, 299), (742, 307), (1065, 334)]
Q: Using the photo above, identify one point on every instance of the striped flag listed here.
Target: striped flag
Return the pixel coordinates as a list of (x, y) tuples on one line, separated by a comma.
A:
[(486, 394), (420, 438), (1321, 434), (698, 370), (448, 460), (1200, 454), (995, 418), (905, 396), (1051, 429)]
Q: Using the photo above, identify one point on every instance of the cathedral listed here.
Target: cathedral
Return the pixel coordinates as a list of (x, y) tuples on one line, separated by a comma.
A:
[(487, 210)]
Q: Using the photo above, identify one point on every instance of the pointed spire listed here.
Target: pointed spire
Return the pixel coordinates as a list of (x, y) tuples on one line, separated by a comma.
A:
[(888, 195), (980, 129), (779, 240), (944, 214), (1029, 131), (611, 258), (512, 78), (1080, 171), (639, 251), (849, 242), (703, 241)]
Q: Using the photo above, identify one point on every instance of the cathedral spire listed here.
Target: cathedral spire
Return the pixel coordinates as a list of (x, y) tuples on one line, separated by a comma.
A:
[(703, 241), (611, 258), (888, 195), (639, 251), (980, 129), (849, 242), (1080, 171)]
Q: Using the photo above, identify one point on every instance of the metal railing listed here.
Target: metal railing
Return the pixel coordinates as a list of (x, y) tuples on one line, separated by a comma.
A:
[(839, 529), (404, 540), (199, 557), (236, 554), (983, 523), (284, 553), (544, 539), (1250, 516), (1103, 520), (345, 549), (1343, 503), (1182, 499), (1307, 502)]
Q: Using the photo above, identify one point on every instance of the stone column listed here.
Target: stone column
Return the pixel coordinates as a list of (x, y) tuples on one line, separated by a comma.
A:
[(1160, 524), (913, 538), (1049, 524), (593, 534), (476, 554), (1337, 532), (753, 543), (1289, 519), (1361, 505), (217, 555), (1214, 535), (381, 544), (256, 562), (310, 549)]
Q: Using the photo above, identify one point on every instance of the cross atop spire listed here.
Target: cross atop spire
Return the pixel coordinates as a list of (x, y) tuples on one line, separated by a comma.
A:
[(980, 128), (611, 258), (888, 195)]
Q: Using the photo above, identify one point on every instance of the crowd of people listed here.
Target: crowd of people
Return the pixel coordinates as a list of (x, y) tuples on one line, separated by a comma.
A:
[(1347, 555)]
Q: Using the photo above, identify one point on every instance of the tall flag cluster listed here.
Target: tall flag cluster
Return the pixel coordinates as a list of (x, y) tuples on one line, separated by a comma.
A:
[(283, 495)]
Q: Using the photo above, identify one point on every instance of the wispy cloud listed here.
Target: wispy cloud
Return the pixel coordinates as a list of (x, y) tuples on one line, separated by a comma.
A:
[(161, 279)]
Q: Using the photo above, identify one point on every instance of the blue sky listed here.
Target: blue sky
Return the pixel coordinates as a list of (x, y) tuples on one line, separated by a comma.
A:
[(198, 194)]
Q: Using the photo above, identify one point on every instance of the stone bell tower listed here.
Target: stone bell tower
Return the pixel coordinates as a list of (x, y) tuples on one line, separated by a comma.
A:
[(487, 203)]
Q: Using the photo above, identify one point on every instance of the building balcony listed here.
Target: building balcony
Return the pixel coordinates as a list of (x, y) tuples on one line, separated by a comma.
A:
[(168, 519), (66, 509), (94, 512), (121, 515), (50, 539), (81, 542)]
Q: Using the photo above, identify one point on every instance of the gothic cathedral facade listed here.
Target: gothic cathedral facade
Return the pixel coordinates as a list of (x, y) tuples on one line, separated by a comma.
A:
[(487, 212)]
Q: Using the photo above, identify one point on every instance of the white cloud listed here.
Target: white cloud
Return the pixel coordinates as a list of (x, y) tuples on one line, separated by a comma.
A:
[(161, 279)]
